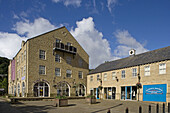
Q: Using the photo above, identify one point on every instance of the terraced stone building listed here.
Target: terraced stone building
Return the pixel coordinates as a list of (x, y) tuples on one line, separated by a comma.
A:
[(48, 65), (144, 77)]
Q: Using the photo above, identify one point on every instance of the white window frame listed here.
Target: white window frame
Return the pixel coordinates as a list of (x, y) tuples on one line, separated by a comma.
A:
[(147, 70), (42, 70), (57, 58), (123, 74), (162, 68), (57, 72), (42, 54), (113, 75), (105, 77), (134, 72), (68, 72), (80, 75)]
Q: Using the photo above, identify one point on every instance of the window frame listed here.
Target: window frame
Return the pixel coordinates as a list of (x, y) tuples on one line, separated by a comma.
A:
[(58, 58), (105, 77), (98, 77), (134, 73), (69, 60), (42, 56), (80, 74), (162, 68), (91, 78), (70, 74), (114, 75), (57, 73), (147, 70), (40, 70), (123, 74)]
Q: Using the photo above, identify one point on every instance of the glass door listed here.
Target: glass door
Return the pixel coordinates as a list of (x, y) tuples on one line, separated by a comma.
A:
[(41, 91), (128, 92)]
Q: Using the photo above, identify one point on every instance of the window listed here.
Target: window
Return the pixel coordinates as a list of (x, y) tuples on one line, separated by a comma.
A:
[(162, 68), (113, 75), (80, 74), (105, 76), (123, 73), (42, 70), (22, 71), (58, 41), (68, 60), (80, 62), (91, 78), (42, 54), (25, 55), (147, 70), (57, 58), (134, 72), (68, 43), (98, 78), (57, 71), (68, 73)]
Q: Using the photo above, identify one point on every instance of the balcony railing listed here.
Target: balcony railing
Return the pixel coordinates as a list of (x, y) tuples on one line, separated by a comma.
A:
[(64, 48)]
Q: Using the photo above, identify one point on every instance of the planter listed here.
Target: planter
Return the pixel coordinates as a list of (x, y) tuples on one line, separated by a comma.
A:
[(60, 102), (91, 100)]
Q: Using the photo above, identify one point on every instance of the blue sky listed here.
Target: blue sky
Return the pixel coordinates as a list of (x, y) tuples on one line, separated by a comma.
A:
[(106, 29)]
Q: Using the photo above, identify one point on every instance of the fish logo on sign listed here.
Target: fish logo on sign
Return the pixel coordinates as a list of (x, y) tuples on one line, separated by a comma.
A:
[(154, 91)]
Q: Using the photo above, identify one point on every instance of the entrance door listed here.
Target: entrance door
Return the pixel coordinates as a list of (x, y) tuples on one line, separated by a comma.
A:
[(97, 93), (41, 91), (128, 92)]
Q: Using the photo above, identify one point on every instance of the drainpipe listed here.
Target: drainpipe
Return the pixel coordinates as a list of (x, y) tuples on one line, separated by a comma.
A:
[(138, 81)]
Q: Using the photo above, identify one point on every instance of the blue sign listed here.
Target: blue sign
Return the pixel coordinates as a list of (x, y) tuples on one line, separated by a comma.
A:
[(156, 92)]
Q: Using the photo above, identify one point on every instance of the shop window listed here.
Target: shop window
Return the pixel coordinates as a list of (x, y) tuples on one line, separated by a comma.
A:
[(113, 75), (41, 70), (57, 58), (147, 70), (42, 54), (134, 72), (162, 68), (123, 73), (80, 74), (57, 71), (105, 76), (68, 73)]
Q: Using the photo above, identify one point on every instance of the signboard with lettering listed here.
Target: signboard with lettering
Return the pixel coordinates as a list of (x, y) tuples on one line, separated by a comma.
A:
[(156, 92)]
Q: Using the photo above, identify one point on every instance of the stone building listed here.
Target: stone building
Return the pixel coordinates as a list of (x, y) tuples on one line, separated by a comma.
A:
[(48, 65), (144, 77)]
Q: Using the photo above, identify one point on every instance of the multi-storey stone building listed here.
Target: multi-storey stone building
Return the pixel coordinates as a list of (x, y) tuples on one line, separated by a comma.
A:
[(50, 64), (144, 77)]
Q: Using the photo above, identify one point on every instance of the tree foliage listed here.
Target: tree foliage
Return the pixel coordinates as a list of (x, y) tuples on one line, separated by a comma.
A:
[(4, 62)]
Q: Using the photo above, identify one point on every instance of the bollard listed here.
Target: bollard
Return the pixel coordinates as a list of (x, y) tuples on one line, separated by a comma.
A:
[(126, 111), (140, 109), (157, 108), (149, 108), (163, 107)]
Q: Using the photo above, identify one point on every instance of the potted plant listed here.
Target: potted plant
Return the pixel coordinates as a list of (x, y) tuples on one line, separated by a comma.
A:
[(60, 101), (91, 99)]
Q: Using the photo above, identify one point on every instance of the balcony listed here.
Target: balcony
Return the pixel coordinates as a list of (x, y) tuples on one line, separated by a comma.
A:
[(64, 48)]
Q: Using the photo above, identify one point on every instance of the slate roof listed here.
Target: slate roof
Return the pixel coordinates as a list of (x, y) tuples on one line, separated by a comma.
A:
[(157, 55)]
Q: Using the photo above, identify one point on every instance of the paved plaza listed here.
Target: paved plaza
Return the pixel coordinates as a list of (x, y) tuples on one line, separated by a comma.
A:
[(77, 106)]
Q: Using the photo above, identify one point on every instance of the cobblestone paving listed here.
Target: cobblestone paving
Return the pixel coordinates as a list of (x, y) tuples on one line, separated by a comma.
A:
[(77, 106)]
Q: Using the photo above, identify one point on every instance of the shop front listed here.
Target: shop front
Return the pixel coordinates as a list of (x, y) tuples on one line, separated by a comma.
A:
[(109, 92), (129, 93)]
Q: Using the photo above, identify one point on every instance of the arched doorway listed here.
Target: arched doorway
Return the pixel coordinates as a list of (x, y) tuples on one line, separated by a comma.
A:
[(80, 90), (41, 89), (63, 89), (23, 89)]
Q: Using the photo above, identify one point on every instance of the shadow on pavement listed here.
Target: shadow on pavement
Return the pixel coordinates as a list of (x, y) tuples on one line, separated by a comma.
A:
[(107, 108)]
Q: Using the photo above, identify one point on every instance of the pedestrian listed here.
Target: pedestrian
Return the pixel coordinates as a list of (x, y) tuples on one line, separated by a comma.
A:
[(108, 111)]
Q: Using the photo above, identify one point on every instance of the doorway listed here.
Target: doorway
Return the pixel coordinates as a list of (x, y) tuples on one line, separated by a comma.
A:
[(41, 89)]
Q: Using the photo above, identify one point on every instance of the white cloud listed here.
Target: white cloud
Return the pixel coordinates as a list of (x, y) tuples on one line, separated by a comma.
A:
[(10, 43), (111, 4), (127, 42), (92, 41), (76, 3), (39, 26)]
